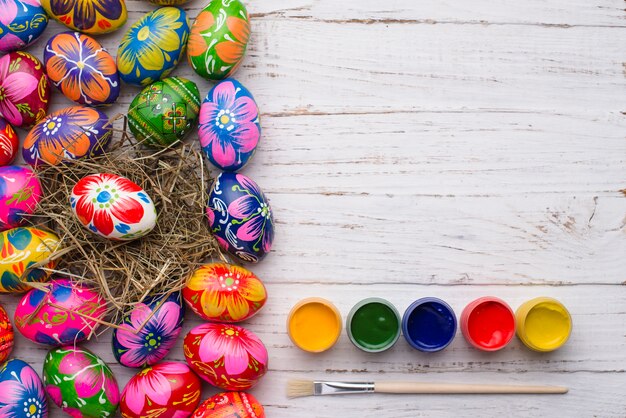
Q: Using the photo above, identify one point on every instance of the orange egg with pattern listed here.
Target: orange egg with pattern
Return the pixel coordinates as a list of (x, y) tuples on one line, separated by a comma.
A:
[(82, 69), (224, 293)]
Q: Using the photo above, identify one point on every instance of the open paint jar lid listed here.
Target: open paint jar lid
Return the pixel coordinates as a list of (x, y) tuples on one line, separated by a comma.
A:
[(373, 325), (488, 323), (429, 324), (543, 324), (314, 325)]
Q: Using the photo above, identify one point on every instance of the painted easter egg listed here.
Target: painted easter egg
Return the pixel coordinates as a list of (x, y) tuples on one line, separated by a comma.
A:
[(112, 206), (229, 125), (168, 2), (94, 17), (152, 47), (149, 331), (21, 24), (80, 383), (225, 355), (21, 248), (6, 336), (67, 314), (24, 89), (82, 69), (230, 405), (21, 391), (240, 217), (20, 192), (72, 133), (165, 390), (218, 39), (165, 111), (224, 293), (9, 143)]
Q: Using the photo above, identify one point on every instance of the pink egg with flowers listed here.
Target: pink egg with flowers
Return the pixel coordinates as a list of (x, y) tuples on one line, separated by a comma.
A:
[(68, 313), (20, 192)]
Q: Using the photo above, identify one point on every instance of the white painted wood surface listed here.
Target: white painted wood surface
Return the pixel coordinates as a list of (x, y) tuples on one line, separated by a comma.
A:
[(435, 148)]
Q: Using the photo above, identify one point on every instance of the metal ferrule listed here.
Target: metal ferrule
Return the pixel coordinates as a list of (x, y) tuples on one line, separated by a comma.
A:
[(339, 388)]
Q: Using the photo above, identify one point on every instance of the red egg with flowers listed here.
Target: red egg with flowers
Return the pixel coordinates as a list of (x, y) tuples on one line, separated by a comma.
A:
[(227, 356), (9, 143), (6, 335), (165, 390), (230, 405)]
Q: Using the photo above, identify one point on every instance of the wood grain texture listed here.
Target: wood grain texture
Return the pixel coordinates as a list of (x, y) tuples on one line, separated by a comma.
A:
[(441, 148)]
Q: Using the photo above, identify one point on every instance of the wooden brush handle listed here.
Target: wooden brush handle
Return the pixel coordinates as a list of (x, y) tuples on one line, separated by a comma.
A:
[(441, 388)]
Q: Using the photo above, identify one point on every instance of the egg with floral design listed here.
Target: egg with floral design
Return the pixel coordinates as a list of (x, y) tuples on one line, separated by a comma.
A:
[(165, 390), (149, 331), (230, 405), (6, 336), (21, 391), (21, 248), (229, 129), (21, 24), (168, 2), (66, 314), (80, 383), (227, 356), (73, 133), (94, 17), (240, 217), (218, 39), (20, 192), (82, 69), (164, 112), (24, 89), (224, 293), (153, 46), (112, 206), (9, 143)]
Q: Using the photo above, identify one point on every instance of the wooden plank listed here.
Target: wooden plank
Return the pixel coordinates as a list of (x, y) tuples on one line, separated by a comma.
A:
[(424, 67)]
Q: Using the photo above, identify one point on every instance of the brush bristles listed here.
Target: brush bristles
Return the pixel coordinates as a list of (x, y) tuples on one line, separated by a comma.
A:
[(298, 388)]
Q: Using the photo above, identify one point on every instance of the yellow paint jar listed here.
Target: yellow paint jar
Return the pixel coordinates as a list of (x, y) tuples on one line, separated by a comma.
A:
[(543, 324), (314, 325)]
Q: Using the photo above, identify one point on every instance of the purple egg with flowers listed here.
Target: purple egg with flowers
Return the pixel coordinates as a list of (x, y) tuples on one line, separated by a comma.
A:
[(229, 125), (240, 217), (149, 331)]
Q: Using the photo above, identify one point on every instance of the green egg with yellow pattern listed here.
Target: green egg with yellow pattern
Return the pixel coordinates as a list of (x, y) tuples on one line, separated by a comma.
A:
[(218, 39), (164, 112)]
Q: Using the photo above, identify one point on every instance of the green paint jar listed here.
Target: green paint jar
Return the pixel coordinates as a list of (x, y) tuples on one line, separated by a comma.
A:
[(373, 325)]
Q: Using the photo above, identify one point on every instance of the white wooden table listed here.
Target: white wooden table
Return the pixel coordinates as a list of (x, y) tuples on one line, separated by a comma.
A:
[(435, 148)]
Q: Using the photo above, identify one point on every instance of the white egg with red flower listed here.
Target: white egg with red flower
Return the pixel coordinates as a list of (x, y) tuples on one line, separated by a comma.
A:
[(113, 206)]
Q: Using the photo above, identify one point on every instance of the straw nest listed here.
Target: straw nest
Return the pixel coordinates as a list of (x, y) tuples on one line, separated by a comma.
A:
[(159, 263)]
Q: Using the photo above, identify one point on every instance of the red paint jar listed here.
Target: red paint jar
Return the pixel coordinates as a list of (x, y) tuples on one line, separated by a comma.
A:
[(488, 323)]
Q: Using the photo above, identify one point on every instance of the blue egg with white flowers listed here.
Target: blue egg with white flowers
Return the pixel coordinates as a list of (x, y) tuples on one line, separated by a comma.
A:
[(21, 23), (240, 217), (22, 391)]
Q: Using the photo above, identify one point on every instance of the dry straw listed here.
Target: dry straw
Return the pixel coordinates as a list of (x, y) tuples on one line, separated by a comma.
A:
[(159, 263)]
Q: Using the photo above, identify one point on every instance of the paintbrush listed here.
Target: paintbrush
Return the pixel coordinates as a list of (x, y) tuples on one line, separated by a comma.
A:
[(300, 388)]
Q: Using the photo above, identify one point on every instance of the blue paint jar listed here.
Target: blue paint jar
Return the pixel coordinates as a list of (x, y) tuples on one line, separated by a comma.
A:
[(429, 324)]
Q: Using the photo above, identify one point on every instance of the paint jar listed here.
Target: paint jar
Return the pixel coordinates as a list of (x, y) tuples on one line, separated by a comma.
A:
[(543, 324), (314, 325), (373, 325), (488, 323), (429, 324)]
